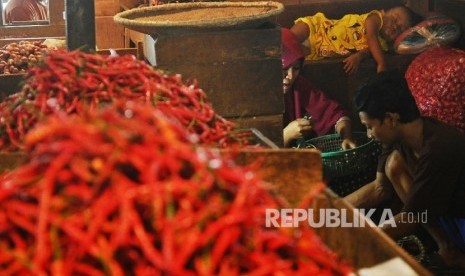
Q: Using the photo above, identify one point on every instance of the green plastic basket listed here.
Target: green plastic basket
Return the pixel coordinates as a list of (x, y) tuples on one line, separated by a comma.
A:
[(346, 170)]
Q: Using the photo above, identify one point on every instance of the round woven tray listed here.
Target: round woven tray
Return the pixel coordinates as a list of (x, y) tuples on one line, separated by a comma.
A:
[(198, 16)]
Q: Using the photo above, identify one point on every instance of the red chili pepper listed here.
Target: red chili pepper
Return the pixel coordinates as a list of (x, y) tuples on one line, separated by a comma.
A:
[(226, 239), (127, 189), (152, 254)]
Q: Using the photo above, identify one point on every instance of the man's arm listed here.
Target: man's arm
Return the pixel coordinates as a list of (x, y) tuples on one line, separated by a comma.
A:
[(372, 194), (344, 129)]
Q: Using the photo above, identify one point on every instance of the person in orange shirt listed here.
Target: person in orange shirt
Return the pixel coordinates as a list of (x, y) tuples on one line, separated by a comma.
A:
[(25, 10)]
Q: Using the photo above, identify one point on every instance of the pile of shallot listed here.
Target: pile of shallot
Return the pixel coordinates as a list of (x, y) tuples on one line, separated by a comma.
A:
[(437, 81), (16, 58)]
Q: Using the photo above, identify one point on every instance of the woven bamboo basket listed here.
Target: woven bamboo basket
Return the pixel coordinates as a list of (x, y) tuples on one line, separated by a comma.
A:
[(346, 170), (199, 16)]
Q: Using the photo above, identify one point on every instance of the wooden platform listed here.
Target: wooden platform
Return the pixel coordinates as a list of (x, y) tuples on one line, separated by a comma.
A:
[(293, 173)]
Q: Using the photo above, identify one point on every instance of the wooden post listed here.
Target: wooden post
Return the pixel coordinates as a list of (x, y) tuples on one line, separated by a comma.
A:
[(80, 25)]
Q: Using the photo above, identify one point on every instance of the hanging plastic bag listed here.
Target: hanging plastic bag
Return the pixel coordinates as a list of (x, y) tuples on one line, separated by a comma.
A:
[(434, 31)]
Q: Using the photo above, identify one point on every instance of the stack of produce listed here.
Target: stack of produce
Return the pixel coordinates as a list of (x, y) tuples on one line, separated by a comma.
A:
[(18, 57), (122, 190), (436, 78), (76, 81)]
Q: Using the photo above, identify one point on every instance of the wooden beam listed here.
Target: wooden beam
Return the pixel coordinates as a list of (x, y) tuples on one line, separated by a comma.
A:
[(1, 13)]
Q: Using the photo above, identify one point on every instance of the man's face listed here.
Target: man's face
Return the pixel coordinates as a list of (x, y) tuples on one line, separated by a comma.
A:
[(290, 74), (395, 22), (382, 131)]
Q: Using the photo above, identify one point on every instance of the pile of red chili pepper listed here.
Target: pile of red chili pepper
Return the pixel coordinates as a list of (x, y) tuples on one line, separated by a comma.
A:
[(122, 191), (76, 81)]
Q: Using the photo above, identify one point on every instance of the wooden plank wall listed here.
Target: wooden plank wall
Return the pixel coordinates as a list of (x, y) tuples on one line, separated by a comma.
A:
[(108, 33), (240, 71)]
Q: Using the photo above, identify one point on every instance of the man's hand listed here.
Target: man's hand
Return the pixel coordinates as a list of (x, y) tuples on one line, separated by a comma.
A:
[(344, 129), (348, 143)]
